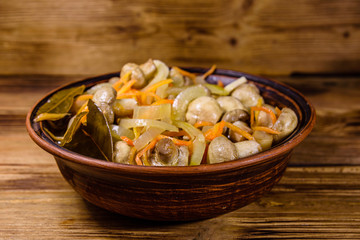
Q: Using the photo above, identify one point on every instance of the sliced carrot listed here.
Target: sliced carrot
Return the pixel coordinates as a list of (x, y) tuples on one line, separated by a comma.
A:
[(272, 114), (209, 72), (185, 73), (127, 140), (84, 97), (202, 124), (155, 86), (220, 83), (278, 111), (127, 86), (215, 131), (143, 151), (239, 130), (265, 129), (124, 79), (176, 141)]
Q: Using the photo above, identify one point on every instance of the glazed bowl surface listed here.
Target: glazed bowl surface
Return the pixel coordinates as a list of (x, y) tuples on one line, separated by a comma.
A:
[(180, 193)]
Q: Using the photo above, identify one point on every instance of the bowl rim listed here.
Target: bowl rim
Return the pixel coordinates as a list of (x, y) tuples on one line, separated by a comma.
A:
[(259, 158)]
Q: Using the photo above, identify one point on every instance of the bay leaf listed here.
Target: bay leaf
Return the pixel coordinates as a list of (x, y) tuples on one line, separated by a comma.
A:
[(49, 116), (98, 130), (81, 143), (70, 131), (61, 101)]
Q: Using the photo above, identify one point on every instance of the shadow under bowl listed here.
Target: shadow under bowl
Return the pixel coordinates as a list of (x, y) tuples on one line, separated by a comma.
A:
[(181, 193)]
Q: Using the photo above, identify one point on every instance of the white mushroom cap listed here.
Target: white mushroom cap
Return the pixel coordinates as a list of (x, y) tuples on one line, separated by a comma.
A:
[(204, 108), (247, 148)]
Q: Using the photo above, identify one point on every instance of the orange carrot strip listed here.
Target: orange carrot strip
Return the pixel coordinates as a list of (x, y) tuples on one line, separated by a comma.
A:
[(127, 86), (163, 101), (239, 130), (143, 151), (209, 72), (278, 111), (155, 86), (127, 140), (175, 140), (215, 131), (84, 97), (124, 79), (203, 123), (185, 73), (220, 84), (272, 114), (265, 129)]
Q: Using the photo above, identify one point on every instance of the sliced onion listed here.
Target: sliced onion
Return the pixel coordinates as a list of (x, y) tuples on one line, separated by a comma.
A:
[(182, 100), (131, 123), (156, 112), (145, 138), (198, 140), (216, 90), (118, 131), (231, 86)]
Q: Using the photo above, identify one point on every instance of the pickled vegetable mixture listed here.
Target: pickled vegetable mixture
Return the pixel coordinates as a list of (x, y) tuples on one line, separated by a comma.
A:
[(154, 115)]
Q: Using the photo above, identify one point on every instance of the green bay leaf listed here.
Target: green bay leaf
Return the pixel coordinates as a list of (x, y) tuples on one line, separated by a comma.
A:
[(75, 124), (98, 130), (61, 101)]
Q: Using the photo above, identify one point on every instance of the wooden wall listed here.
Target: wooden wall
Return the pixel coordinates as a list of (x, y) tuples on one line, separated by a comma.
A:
[(277, 37)]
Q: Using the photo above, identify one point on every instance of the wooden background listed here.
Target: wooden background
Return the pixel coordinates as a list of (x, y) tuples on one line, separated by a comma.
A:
[(258, 36), (312, 45)]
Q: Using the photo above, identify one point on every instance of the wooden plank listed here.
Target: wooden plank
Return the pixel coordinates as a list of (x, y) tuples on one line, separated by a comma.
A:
[(93, 37), (308, 203)]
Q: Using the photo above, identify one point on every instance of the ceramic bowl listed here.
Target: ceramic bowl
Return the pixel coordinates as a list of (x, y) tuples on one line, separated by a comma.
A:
[(181, 193)]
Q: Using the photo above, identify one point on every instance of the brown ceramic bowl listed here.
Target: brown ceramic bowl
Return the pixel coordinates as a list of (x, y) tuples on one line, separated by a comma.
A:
[(181, 193)]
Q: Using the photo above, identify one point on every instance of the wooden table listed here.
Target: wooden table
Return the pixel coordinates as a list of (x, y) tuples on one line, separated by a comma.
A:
[(318, 197)]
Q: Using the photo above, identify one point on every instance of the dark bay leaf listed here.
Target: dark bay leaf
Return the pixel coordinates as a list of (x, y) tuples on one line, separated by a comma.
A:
[(81, 143), (98, 130), (50, 116), (61, 101), (75, 124)]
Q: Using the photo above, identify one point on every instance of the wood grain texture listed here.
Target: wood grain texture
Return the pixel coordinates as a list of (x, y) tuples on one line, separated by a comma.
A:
[(315, 199), (97, 36)]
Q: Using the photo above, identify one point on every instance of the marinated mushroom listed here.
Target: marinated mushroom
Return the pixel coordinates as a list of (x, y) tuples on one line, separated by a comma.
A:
[(204, 108), (105, 94), (229, 103), (121, 152), (247, 148), (264, 139), (148, 68), (236, 137), (96, 87), (285, 124), (248, 94), (136, 73), (236, 115), (168, 154), (264, 118), (220, 150)]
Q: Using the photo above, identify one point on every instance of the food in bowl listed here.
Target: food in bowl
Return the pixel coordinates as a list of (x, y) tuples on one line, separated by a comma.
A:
[(154, 115)]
